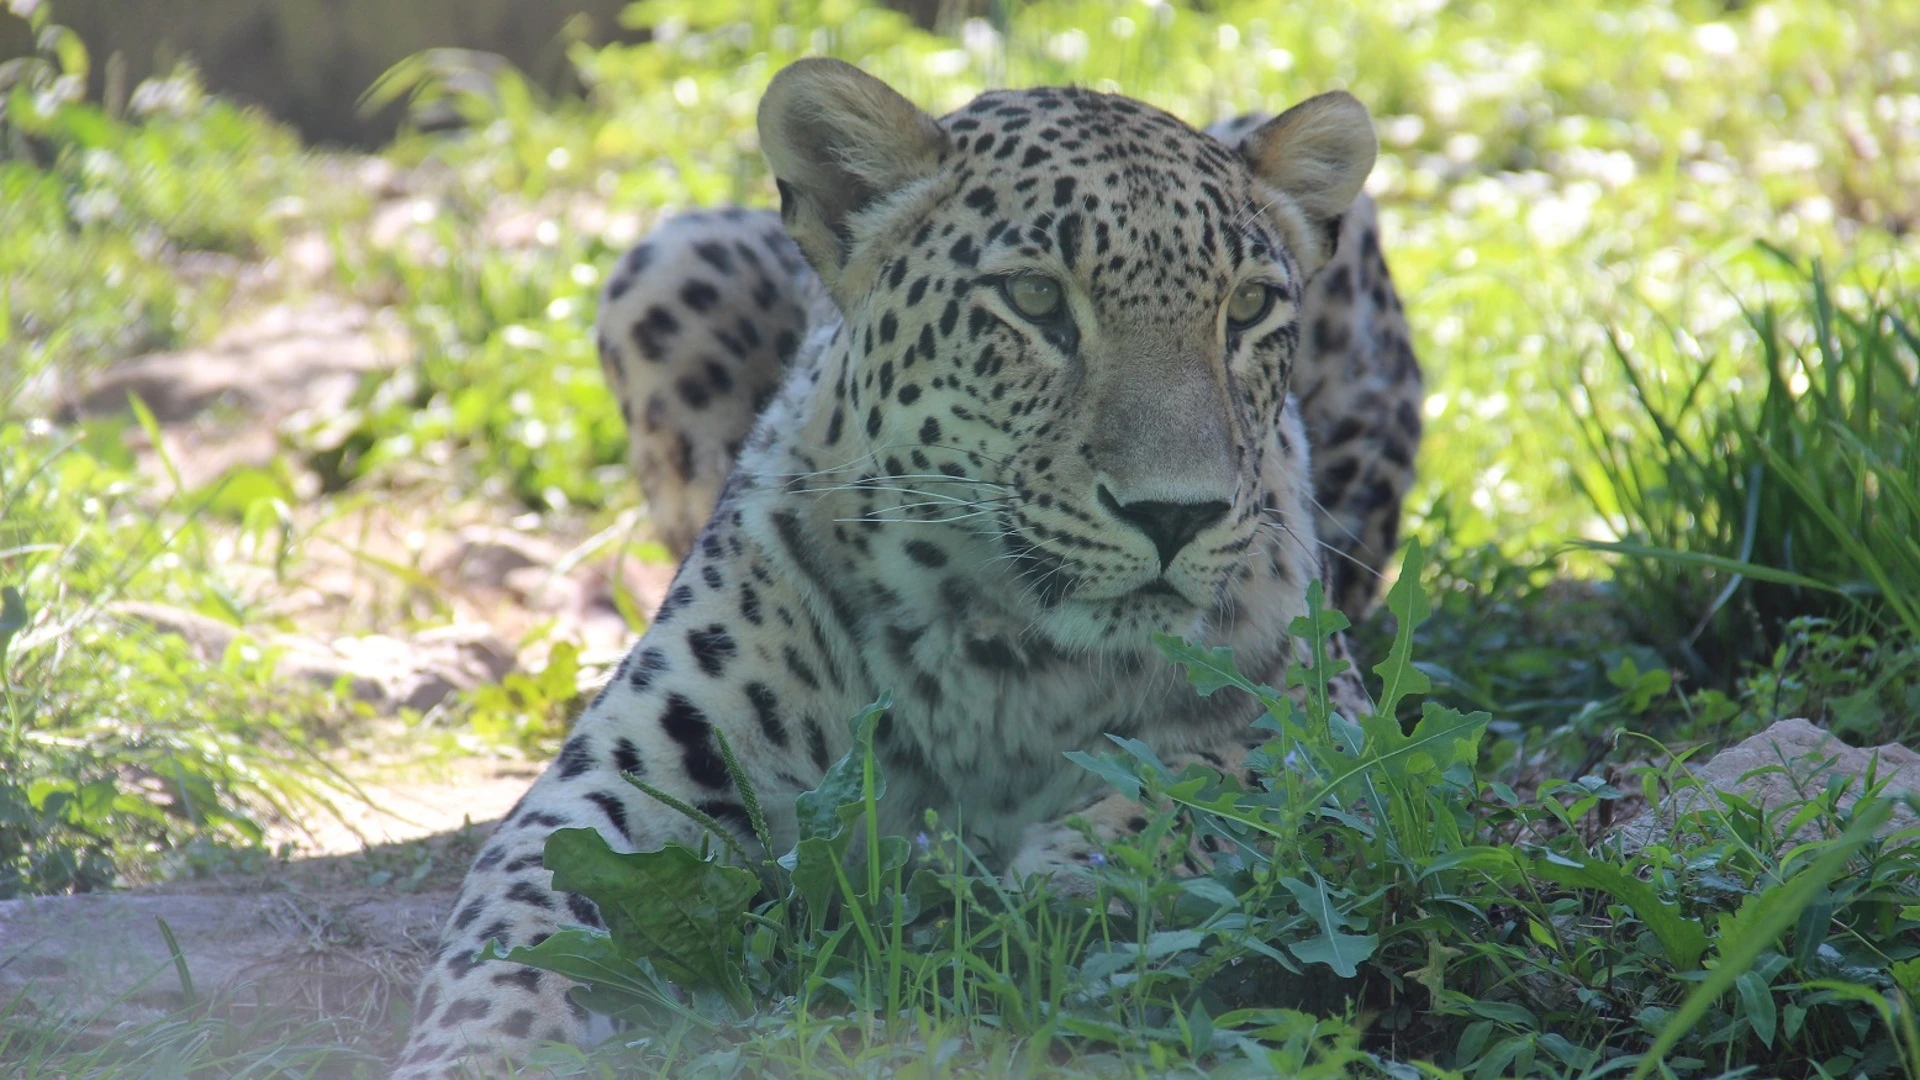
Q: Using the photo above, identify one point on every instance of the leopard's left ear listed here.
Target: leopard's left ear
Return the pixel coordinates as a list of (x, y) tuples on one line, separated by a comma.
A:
[(1319, 153), (839, 141)]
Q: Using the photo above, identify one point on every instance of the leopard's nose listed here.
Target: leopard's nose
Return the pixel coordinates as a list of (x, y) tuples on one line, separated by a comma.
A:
[(1171, 526)]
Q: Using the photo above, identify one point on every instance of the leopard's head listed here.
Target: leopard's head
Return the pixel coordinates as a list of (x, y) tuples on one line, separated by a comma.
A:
[(1077, 306)]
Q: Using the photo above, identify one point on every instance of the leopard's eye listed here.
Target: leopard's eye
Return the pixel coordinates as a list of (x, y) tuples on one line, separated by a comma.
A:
[(1034, 295), (1248, 305)]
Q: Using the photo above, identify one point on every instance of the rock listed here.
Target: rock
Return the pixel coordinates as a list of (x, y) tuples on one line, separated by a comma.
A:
[(206, 635), (103, 956), (540, 589), (1788, 763), (405, 807), (224, 406), (307, 61), (285, 358), (388, 672), (486, 554), (419, 672)]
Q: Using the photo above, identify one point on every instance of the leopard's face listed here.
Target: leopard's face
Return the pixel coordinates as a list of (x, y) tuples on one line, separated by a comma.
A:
[(1083, 312), (1111, 348)]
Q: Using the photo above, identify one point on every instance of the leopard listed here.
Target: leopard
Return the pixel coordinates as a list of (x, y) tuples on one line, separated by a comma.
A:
[(992, 400)]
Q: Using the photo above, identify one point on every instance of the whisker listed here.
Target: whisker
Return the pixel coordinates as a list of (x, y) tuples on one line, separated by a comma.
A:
[(878, 478), (914, 521), (1328, 514), (1282, 527), (996, 501), (883, 487)]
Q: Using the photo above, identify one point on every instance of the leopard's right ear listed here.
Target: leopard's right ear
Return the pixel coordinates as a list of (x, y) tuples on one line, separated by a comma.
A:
[(840, 141), (1316, 154)]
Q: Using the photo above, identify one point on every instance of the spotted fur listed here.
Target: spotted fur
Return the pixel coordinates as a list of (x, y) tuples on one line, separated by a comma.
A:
[(691, 376), (986, 511)]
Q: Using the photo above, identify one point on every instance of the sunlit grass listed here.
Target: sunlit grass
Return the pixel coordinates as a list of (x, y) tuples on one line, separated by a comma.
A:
[(1739, 508)]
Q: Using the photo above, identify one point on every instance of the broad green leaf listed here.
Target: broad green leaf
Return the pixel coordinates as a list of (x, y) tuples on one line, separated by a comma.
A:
[(1106, 962), (1207, 669), (1211, 891), (814, 866), (1165, 943), (1683, 939), (1792, 1018), (1199, 1030), (1906, 975), (835, 802), (1580, 1058), (1321, 622), (1504, 1053), (1111, 769), (1340, 951), (672, 907), (1408, 602), (819, 856), (1756, 1004), (591, 957), (1499, 862), (1316, 628), (1473, 1040), (1141, 752), (1814, 922), (1443, 738)]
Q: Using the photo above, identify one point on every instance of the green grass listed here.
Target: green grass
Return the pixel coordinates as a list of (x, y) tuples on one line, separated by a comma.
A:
[(1666, 489), (125, 749), (199, 1041), (1798, 498)]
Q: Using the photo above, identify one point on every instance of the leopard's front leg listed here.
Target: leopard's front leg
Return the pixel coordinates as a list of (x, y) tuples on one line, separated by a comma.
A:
[(475, 1015), (696, 678)]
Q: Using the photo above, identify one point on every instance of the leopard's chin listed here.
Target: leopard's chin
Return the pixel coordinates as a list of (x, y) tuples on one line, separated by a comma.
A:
[(1124, 625), (1176, 594)]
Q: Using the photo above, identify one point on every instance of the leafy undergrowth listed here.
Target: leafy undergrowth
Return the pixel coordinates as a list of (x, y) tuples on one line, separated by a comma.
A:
[(98, 213), (1375, 904)]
